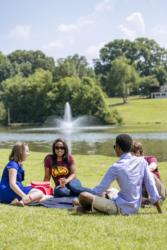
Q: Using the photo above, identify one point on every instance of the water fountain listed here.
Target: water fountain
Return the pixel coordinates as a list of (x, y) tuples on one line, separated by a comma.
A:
[(69, 123), (86, 129)]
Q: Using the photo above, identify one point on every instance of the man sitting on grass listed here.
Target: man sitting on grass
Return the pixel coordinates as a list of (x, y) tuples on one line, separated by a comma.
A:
[(130, 172)]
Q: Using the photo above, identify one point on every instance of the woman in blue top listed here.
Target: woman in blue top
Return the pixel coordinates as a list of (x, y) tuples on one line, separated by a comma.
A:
[(12, 190)]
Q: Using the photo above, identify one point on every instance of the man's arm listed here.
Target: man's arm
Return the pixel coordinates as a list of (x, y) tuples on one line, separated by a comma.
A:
[(151, 189), (108, 178)]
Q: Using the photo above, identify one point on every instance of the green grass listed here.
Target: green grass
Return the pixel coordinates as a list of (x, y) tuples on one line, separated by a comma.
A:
[(42, 228), (141, 113)]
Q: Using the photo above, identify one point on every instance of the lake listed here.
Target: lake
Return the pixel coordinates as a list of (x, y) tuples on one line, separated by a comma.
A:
[(86, 140)]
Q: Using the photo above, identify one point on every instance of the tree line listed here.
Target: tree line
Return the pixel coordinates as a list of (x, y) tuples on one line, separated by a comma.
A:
[(125, 67), (33, 86)]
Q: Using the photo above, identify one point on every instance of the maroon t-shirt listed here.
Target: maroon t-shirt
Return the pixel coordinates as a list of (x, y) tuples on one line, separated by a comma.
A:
[(62, 169), (151, 159)]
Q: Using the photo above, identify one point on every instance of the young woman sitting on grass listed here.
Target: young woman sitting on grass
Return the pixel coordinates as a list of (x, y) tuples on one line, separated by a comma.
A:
[(137, 149), (12, 190), (60, 166)]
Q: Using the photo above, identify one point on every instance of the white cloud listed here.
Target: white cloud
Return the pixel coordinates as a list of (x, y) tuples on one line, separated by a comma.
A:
[(68, 28), (134, 26), (103, 6), (53, 45), (130, 34), (85, 20), (93, 50), (20, 31), (136, 21)]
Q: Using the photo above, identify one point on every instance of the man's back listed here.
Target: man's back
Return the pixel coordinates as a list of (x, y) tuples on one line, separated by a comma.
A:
[(129, 172)]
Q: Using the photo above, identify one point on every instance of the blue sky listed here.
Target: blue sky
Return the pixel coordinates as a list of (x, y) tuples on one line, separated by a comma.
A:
[(64, 27)]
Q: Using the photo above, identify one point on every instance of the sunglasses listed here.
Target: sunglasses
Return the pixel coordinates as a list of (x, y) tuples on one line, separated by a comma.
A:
[(60, 147), (114, 146)]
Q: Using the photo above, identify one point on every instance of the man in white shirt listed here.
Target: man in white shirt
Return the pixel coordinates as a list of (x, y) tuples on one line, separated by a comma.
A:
[(129, 172)]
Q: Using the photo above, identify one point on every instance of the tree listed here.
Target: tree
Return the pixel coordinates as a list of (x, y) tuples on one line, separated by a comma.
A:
[(144, 54), (6, 69), (34, 98), (113, 50), (149, 56), (160, 72), (27, 62), (122, 79), (26, 98), (3, 113), (75, 65), (85, 97), (146, 83)]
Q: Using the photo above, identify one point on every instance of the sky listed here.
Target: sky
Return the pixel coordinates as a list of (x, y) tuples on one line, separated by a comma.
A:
[(61, 28)]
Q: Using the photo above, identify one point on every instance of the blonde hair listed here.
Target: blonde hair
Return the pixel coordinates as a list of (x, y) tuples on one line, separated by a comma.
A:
[(17, 152), (137, 147)]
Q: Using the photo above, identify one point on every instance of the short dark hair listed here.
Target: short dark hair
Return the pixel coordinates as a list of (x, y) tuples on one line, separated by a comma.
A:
[(124, 141)]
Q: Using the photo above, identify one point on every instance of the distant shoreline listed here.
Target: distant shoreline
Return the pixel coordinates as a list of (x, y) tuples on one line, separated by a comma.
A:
[(23, 124)]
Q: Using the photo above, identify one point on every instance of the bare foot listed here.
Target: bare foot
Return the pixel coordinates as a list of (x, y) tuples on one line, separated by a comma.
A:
[(27, 200), (18, 203), (46, 197)]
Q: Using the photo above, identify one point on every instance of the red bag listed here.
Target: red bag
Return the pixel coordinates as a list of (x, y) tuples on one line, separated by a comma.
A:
[(44, 186)]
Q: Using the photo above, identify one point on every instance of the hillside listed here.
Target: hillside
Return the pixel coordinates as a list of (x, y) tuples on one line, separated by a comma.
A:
[(148, 113)]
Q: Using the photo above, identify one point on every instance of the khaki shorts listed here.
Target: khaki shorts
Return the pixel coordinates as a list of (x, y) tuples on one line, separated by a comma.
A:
[(104, 205)]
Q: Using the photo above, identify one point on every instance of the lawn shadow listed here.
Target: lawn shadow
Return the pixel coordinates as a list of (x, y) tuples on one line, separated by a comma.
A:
[(117, 104), (99, 214)]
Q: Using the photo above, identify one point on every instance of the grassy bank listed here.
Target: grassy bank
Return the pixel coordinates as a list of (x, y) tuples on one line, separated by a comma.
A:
[(42, 228), (141, 114)]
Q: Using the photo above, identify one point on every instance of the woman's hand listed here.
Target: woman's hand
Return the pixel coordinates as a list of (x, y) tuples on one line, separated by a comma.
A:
[(26, 199), (62, 182)]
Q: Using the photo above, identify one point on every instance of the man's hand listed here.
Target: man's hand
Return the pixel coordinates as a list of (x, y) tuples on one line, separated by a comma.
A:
[(158, 206)]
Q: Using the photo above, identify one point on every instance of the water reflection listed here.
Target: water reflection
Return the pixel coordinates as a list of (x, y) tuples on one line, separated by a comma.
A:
[(99, 140)]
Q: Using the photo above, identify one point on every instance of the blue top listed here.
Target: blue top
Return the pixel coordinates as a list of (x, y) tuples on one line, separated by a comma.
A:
[(7, 195), (5, 175), (130, 172)]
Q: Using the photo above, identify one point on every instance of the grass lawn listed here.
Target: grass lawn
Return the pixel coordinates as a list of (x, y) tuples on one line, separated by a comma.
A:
[(141, 114), (43, 228)]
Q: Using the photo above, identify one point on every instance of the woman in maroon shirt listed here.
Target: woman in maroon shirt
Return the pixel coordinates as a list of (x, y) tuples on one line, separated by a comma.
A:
[(137, 149), (60, 166)]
